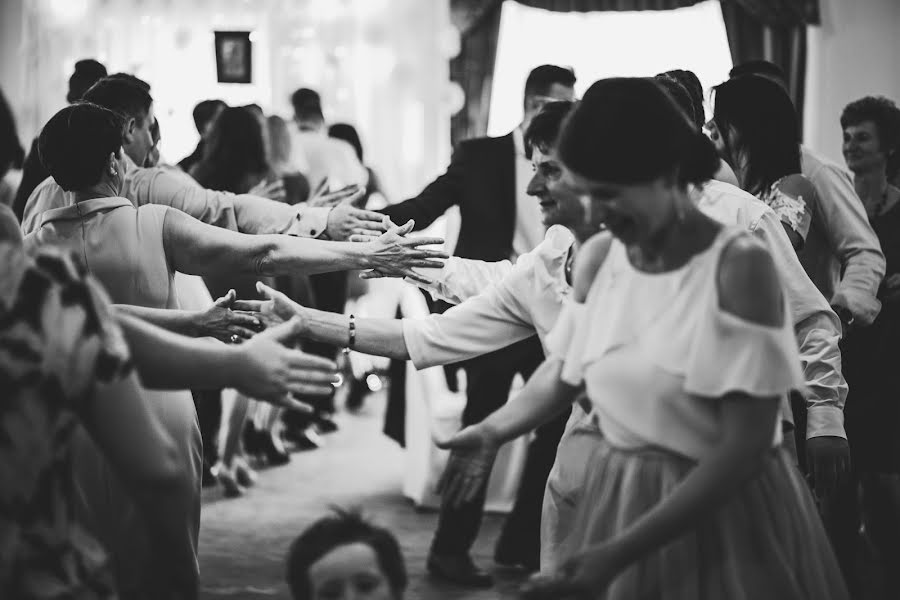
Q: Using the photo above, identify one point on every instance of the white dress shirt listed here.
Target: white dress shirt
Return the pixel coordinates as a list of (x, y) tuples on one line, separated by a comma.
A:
[(318, 157), (168, 187), (842, 254), (529, 229)]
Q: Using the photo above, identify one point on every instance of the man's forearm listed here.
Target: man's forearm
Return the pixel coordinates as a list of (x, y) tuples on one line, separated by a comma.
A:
[(857, 291)]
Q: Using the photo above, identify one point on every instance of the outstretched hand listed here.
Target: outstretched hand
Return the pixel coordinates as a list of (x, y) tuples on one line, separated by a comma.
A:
[(583, 576), (226, 322), (275, 309), (472, 454), (271, 371), (394, 255)]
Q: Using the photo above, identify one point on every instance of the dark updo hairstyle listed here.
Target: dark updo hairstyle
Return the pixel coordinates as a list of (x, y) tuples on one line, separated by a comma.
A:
[(235, 152), (693, 87), (544, 128), (629, 131), (884, 113), (76, 142), (87, 72), (680, 95), (341, 529), (762, 114)]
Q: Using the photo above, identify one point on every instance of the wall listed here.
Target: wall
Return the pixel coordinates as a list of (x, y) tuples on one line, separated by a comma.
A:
[(375, 62), (854, 53)]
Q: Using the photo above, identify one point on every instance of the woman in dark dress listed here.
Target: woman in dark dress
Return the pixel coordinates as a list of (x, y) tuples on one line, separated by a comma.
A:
[(872, 151)]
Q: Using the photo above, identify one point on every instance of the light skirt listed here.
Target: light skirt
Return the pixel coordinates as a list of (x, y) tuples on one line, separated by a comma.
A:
[(766, 542)]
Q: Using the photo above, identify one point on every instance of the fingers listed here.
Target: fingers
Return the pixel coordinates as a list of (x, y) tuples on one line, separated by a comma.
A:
[(311, 389), (241, 332), (419, 278), (226, 300), (422, 263), (402, 230), (248, 305), (308, 361), (242, 319), (415, 242), (301, 376), (373, 274), (368, 215), (289, 402)]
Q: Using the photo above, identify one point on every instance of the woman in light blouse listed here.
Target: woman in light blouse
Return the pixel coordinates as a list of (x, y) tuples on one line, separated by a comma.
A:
[(134, 252)]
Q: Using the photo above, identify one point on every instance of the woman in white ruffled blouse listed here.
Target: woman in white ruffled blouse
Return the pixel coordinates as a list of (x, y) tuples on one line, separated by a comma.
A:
[(684, 344)]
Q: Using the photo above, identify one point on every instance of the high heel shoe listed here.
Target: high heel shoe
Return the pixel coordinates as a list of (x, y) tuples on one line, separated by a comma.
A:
[(243, 474), (230, 486), (273, 450)]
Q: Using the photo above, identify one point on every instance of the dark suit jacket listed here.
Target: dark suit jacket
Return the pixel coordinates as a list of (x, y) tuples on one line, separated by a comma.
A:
[(481, 180)]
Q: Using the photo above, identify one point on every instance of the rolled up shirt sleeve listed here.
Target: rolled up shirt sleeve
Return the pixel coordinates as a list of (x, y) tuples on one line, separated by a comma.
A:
[(237, 212), (854, 242)]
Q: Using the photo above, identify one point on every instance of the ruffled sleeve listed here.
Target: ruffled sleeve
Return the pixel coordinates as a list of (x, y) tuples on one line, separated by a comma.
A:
[(730, 354)]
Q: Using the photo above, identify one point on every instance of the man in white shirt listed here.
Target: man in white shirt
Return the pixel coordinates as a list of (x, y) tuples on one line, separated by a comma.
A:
[(322, 159)]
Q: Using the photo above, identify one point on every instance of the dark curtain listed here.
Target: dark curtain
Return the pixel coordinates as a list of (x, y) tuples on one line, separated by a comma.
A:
[(772, 30), (473, 69)]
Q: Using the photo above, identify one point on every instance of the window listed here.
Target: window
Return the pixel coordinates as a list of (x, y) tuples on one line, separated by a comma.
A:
[(603, 44)]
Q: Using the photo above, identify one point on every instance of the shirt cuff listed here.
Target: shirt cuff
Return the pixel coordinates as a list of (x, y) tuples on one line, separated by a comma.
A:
[(415, 345), (825, 421), (309, 221)]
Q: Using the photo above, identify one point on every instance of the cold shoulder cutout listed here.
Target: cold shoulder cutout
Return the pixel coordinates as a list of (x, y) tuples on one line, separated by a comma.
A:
[(747, 283)]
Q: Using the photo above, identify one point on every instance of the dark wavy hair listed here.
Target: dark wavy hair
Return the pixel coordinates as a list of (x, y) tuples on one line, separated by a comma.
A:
[(234, 153), (629, 131), (123, 94), (342, 528), (544, 128), (76, 142), (762, 114), (885, 114)]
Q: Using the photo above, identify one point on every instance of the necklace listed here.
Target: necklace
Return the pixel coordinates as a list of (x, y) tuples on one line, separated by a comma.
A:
[(878, 207)]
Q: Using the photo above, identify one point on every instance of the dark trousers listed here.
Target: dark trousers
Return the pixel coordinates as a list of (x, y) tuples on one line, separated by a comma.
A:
[(209, 415), (328, 292), (489, 379)]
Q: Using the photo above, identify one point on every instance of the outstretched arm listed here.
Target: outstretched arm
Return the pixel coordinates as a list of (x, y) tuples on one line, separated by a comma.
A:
[(195, 248)]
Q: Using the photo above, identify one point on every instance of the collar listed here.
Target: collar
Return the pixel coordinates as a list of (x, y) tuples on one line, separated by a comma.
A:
[(84, 208)]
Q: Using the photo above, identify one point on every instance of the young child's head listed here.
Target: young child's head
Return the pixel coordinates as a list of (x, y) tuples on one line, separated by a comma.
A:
[(344, 557)]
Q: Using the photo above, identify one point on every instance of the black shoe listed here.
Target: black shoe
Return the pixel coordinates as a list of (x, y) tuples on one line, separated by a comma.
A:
[(459, 569), (273, 450), (513, 558), (308, 439)]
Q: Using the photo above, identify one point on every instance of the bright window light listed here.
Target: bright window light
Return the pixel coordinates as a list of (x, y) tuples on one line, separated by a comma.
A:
[(603, 44)]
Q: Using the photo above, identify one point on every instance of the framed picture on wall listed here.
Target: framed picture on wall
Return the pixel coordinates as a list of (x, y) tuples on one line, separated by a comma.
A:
[(234, 57)]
